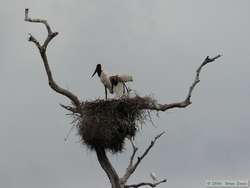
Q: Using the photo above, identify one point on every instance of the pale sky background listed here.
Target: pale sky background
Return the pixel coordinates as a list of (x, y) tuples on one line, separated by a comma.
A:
[(159, 42)]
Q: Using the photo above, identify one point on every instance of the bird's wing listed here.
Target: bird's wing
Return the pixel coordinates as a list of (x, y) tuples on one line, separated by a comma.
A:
[(125, 78)]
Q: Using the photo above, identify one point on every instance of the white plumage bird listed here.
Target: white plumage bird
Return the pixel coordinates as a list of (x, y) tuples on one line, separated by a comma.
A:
[(115, 84)]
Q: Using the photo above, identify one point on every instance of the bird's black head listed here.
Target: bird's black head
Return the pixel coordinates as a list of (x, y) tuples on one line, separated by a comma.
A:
[(98, 70)]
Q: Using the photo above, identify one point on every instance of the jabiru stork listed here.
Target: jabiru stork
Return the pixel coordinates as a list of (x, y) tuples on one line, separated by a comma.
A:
[(115, 84)]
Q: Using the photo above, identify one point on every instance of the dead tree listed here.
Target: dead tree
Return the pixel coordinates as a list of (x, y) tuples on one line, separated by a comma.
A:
[(83, 110)]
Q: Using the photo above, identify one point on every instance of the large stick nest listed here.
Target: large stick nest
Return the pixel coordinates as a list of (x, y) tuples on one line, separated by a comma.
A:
[(106, 123)]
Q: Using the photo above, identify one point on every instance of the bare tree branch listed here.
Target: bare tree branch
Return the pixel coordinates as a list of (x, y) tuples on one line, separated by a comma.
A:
[(107, 167), (42, 50), (146, 184), (163, 107), (135, 149), (132, 166)]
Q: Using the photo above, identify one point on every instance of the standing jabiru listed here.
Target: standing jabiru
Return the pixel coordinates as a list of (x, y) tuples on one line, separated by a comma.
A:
[(115, 84)]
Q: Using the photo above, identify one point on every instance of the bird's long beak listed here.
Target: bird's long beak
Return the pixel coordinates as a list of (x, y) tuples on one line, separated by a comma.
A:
[(94, 73)]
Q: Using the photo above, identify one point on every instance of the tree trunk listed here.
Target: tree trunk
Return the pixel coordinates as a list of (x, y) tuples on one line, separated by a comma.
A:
[(107, 167)]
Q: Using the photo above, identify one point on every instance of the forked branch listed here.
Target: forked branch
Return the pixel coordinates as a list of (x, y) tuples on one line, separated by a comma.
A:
[(132, 166), (183, 104), (42, 49)]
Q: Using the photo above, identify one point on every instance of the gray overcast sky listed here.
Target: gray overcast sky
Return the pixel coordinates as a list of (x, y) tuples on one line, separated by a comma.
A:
[(166, 39)]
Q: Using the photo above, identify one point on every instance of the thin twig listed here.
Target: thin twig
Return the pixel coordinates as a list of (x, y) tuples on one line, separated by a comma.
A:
[(70, 130), (183, 104), (197, 76), (139, 159), (70, 108), (132, 166), (135, 149)]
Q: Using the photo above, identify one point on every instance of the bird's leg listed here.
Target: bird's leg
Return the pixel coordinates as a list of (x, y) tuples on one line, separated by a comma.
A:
[(106, 93), (125, 87), (113, 81), (112, 87)]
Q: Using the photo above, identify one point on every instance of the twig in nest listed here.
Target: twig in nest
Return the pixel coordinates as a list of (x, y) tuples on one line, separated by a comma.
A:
[(70, 130)]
